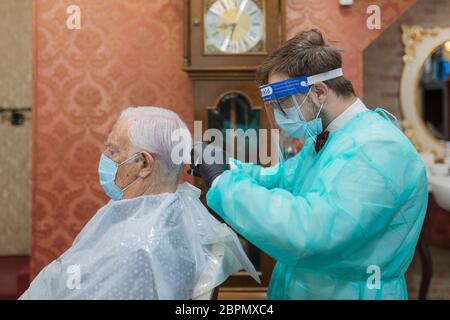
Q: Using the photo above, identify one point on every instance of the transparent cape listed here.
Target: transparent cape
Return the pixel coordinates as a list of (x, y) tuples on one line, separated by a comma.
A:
[(164, 246)]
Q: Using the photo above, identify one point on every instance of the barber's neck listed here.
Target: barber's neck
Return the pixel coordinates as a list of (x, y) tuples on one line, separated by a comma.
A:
[(335, 106)]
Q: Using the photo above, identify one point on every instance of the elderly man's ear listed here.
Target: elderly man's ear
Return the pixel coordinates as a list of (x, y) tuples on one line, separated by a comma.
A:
[(148, 165)]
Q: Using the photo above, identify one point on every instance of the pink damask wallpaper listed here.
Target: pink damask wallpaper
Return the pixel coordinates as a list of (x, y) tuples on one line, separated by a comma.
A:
[(126, 53), (129, 53)]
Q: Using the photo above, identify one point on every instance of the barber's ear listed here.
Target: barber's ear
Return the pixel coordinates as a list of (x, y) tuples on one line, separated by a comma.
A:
[(321, 91), (148, 165)]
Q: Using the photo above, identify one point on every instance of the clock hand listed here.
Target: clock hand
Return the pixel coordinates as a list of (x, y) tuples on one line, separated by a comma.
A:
[(224, 26), (241, 10), (233, 26)]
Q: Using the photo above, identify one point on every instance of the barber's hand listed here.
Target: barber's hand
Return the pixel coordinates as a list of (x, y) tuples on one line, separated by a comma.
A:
[(208, 162)]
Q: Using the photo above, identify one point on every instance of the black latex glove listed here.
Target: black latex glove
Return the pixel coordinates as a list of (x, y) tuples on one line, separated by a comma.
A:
[(208, 162)]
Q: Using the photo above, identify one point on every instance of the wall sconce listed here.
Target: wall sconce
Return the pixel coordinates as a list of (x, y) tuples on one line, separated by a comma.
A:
[(16, 116), (346, 3)]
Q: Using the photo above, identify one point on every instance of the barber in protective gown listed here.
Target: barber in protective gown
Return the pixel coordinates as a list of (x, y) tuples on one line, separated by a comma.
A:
[(154, 239), (343, 216)]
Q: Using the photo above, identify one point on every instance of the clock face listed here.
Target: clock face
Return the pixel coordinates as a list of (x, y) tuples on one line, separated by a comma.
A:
[(234, 26)]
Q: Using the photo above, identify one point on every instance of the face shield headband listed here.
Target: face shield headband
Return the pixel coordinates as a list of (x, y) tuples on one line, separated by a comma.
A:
[(293, 86)]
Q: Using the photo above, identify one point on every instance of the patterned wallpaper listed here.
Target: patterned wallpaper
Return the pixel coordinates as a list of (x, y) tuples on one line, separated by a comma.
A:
[(15, 142), (129, 52), (126, 53)]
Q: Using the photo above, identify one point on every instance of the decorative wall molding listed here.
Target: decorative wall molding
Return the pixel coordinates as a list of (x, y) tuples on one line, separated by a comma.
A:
[(412, 36)]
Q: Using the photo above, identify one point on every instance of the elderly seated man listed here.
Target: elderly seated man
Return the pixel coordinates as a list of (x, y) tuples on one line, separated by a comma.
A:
[(154, 239)]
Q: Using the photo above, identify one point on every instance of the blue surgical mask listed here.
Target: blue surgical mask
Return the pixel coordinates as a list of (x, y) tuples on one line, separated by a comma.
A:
[(291, 122), (107, 171)]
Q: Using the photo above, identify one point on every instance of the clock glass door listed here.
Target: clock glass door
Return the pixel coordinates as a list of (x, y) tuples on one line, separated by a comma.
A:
[(233, 115)]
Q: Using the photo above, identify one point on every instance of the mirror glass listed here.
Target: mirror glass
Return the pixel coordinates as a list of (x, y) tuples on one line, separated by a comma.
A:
[(435, 92)]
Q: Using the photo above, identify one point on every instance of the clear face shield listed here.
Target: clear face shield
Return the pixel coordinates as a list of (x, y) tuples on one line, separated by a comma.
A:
[(290, 110)]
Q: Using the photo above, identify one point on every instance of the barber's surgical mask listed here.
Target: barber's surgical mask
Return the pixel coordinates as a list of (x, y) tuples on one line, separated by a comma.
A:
[(293, 122), (107, 172)]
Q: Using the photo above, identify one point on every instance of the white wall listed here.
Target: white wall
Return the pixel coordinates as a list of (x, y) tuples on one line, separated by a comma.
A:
[(15, 142)]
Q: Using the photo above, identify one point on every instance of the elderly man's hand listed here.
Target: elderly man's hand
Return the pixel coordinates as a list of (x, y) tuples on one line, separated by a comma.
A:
[(208, 162)]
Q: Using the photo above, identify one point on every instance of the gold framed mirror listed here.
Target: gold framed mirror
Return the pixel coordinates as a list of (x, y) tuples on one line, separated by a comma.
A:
[(426, 109)]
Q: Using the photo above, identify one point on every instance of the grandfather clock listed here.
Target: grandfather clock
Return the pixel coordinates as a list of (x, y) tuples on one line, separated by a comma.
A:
[(225, 41)]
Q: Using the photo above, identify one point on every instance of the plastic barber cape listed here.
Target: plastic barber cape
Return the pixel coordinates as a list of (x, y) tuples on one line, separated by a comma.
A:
[(151, 247), (343, 223)]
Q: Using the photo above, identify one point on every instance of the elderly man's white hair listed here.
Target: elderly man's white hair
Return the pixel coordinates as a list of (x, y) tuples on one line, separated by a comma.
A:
[(155, 129)]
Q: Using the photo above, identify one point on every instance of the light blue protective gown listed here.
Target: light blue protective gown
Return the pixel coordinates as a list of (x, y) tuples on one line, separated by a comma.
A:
[(333, 220)]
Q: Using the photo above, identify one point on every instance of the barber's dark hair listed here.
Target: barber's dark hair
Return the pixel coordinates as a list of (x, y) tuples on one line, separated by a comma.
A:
[(306, 54)]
